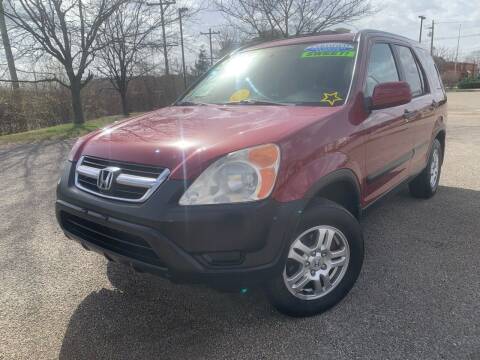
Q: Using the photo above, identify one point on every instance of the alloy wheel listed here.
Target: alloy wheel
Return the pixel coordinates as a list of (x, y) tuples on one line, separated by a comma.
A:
[(317, 262), (434, 168)]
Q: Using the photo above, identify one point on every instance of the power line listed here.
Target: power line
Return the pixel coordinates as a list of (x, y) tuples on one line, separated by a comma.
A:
[(210, 33), (448, 22), (432, 32), (421, 17), (458, 46), (469, 50), (456, 21), (455, 37), (163, 7)]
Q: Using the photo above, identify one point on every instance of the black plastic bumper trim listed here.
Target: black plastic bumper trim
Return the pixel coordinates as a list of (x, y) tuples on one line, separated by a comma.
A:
[(180, 266)]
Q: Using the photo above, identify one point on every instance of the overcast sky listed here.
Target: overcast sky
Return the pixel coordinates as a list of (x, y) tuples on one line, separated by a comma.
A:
[(401, 17)]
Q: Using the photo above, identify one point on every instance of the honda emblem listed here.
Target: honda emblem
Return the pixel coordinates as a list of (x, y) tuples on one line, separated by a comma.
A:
[(106, 177)]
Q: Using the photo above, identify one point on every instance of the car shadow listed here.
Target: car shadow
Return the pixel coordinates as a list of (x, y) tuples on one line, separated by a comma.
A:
[(143, 316)]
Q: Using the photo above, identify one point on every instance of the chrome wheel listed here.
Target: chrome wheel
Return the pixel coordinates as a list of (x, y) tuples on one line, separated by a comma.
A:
[(317, 262), (434, 168)]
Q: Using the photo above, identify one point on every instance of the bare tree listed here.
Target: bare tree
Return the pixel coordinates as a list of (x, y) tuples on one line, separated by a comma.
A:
[(202, 63), (8, 49), (290, 17), (65, 30), (169, 16), (443, 56), (474, 57), (124, 37), (446, 53), (228, 40)]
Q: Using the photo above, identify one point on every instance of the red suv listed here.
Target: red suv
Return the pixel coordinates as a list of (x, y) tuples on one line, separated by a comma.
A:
[(259, 173)]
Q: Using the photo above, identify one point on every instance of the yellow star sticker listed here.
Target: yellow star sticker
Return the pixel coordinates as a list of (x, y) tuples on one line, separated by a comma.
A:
[(331, 98)]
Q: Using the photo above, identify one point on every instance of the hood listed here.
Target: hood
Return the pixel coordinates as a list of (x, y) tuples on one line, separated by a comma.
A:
[(186, 139)]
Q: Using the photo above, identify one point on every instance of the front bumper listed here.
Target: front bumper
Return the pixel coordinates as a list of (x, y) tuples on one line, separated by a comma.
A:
[(222, 245)]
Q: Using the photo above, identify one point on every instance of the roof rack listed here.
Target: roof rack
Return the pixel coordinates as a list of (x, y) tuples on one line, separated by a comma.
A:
[(297, 36)]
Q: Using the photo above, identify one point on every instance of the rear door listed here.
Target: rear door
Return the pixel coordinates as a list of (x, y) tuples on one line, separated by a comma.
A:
[(420, 113), (435, 100), (389, 146)]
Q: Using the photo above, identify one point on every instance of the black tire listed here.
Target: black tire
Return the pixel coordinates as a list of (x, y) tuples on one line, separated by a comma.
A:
[(327, 213), (421, 187)]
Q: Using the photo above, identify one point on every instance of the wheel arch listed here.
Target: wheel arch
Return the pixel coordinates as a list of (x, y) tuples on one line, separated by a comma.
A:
[(340, 186), (441, 137)]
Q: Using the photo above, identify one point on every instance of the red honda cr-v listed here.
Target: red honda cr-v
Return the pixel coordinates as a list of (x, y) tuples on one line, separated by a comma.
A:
[(258, 174)]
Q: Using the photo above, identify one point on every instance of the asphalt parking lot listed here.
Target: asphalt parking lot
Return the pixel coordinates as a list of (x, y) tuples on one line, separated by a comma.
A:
[(418, 296)]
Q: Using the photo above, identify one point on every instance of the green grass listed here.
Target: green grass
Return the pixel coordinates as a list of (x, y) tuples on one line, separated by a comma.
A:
[(64, 131)]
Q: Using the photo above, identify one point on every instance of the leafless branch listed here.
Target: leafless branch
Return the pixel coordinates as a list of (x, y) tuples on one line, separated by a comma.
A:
[(65, 30), (125, 36), (283, 18)]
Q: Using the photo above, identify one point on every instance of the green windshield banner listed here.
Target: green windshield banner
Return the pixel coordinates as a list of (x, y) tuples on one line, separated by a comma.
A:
[(329, 50), (315, 54)]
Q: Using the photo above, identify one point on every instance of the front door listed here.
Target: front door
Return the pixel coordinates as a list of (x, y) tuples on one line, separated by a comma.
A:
[(390, 142)]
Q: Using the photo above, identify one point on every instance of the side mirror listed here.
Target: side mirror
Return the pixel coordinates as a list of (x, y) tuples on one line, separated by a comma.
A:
[(390, 94)]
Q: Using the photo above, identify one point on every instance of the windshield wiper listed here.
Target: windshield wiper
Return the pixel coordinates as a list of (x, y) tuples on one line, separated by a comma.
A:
[(190, 103), (255, 102)]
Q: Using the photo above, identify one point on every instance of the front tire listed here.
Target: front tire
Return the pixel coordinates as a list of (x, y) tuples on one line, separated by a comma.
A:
[(425, 185), (322, 263)]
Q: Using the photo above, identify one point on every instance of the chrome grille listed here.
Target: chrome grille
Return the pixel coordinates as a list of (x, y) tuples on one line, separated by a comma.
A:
[(118, 180)]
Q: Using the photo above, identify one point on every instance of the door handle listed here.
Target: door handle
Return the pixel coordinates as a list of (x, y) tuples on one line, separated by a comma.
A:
[(409, 115)]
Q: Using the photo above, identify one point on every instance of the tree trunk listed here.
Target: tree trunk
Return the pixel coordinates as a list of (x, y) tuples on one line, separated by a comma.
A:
[(75, 91), (8, 49), (124, 98)]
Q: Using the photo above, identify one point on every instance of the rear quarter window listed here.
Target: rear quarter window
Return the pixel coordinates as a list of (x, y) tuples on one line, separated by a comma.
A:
[(431, 70), (411, 71)]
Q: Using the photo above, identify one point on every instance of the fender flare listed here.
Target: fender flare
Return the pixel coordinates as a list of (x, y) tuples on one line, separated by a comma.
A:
[(340, 175), (439, 130)]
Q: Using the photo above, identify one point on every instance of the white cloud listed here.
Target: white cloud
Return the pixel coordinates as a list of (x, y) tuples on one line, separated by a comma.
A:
[(401, 17)]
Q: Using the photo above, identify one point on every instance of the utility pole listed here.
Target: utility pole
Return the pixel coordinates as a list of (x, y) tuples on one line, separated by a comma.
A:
[(180, 11), (210, 33), (421, 27), (163, 7), (432, 35), (8, 49), (458, 46)]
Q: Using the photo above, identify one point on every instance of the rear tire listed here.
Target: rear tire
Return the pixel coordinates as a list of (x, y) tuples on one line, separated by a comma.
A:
[(326, 256), (425, 185)]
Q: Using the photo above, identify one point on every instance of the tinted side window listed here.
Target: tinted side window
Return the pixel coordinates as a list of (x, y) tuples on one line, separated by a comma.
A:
[(410, 68), (431, 69), (381, 67)]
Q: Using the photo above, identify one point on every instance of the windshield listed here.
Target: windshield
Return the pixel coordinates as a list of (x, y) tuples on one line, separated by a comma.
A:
[(301, 74)]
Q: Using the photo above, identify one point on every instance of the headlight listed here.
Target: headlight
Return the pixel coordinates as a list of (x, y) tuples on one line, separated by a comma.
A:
[(241, 176)]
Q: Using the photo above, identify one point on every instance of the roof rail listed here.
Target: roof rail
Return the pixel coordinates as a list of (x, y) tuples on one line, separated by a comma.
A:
[(381, 32), (257, 41)]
